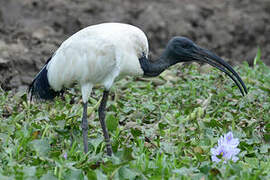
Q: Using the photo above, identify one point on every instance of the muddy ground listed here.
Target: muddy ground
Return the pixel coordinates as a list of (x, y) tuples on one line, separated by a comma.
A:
[(31, 30)]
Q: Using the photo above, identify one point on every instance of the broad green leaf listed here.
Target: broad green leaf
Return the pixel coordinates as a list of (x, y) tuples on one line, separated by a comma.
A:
[(100, 175), (96, 141), (91, 174), (74, 174), (112, 122), (48, 176), (29, 172), (2, 177), (126, 173), (265, 148), (41, 146)]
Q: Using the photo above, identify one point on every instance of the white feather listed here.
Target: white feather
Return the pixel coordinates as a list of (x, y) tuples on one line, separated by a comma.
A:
[(97, 55)]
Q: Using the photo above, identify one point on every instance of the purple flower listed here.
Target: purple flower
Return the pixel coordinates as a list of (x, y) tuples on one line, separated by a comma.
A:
[(226, 149), (229, 140), (65, 156)]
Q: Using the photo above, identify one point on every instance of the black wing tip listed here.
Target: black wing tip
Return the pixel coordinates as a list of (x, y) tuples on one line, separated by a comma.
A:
[(41, 92), (31, 89), (40, 87)]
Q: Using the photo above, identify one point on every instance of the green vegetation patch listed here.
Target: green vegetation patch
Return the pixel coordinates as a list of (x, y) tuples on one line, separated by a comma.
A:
[(162, 128)]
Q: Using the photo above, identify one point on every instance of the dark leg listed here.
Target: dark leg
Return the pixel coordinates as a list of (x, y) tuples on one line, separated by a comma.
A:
[(101, 113), (85, 127)]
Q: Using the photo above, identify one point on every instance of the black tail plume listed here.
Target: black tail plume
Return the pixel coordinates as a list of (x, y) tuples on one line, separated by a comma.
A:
[(40, 87)]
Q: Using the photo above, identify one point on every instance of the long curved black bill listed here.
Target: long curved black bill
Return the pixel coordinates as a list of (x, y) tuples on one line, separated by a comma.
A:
[(207, 56)]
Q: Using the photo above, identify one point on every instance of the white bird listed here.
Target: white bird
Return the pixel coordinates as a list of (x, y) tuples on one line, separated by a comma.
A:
[(100, 54)]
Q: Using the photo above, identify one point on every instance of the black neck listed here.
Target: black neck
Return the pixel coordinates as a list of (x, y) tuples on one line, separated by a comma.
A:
[(154, 68)]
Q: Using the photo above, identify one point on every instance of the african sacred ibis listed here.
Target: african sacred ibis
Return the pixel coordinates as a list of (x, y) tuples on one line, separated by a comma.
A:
[(101, 53)]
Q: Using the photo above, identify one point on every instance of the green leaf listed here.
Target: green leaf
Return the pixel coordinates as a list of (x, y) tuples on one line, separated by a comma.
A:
[(29, 171), (74, 174), (126, 173), (253, 162), (112, 122), (2, 177), (136, 132), (257, 57), (162, 125), (41, 146), (96, 141), (127, 156), (100, 175), (264, 148), (48, 176), (91, 174)]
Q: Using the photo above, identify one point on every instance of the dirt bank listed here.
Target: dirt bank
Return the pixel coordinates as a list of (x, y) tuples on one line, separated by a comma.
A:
[(31, 30)]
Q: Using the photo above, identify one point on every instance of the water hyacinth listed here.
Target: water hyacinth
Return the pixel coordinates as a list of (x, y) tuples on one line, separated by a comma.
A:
[(65, 155), (226, 149)]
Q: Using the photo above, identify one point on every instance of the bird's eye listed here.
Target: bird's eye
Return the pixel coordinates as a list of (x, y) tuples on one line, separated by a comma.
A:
[(185, 45)]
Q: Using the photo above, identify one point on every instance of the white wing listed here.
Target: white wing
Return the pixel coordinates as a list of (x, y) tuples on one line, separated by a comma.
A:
[(85, 61), (97, 55)]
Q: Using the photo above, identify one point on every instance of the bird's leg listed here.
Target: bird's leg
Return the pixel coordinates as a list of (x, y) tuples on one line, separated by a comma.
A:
[(84, 126), (101, 112)]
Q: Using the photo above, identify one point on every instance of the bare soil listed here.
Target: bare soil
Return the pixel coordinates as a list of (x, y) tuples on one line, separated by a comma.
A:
[(31, 30)]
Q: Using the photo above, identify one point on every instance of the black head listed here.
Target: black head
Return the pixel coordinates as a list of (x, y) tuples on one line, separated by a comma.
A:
[(181, 49)]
